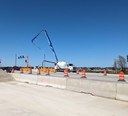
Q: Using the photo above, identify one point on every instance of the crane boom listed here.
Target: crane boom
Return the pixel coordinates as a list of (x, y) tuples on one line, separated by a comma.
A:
[(49, 42)]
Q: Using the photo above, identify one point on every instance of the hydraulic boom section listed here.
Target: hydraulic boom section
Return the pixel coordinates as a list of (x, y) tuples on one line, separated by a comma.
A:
[(49, 42)]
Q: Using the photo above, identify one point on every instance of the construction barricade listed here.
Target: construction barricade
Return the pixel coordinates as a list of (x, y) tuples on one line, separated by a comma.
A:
[(105, 72), (29, 71), (121, 76), (21, 70), (12, 71), (47, 71), (66, 73), (83, 74)]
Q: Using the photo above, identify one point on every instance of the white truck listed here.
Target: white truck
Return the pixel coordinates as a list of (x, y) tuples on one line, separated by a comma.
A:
[(61, 65)]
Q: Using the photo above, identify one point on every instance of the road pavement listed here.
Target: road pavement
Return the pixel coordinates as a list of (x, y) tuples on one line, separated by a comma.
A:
[(22, 99)]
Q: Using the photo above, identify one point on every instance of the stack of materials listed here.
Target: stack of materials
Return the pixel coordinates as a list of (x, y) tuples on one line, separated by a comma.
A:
[(4, 76)]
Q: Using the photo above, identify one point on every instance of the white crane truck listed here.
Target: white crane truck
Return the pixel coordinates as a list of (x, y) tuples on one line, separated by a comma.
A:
[(59, 65)]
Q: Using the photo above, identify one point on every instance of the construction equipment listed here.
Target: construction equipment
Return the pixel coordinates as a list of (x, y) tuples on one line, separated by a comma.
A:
[(59, 65)]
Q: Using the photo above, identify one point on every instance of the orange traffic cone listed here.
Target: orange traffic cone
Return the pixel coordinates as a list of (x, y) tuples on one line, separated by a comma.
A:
[(77, 71), (83, 74), (66, 73), (21, 70), (30, 71), (12, 71), (105, 72), (38, 71), (121, 76), (47, 71)]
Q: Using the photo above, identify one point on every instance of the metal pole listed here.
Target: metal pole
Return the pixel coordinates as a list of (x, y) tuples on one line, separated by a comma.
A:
[(43, 64), (15, 59), (27, 61)]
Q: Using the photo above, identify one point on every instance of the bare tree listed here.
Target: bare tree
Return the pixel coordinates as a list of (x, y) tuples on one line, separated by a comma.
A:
[(121, 62)]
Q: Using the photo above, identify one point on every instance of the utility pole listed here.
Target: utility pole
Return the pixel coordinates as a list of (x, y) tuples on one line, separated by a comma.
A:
[(15, 59), (27, 61)]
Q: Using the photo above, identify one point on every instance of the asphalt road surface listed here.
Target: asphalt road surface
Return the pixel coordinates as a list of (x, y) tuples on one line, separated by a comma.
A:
[(22, 99)]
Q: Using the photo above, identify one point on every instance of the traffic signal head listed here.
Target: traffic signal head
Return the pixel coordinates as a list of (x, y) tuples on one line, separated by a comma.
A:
[(19, 57)]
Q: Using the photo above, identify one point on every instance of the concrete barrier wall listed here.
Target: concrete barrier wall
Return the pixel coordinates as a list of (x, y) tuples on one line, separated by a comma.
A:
[(114, 90), (41, 80), (122, 91), (94, 87), (73, 84), (52, 81), (25, 78), (85, 86), (103, 89)]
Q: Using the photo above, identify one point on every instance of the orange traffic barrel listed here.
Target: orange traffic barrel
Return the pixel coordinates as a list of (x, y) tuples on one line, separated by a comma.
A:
[(83, 74), (105, 72), (66, 73), (38, 72), (30, 71), (121, 76), (77, 71), (47, 71), (21, 70), (12, 71)]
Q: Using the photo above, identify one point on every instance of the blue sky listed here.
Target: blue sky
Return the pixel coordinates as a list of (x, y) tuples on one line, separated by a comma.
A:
[(83, 32)]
